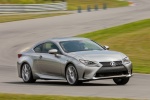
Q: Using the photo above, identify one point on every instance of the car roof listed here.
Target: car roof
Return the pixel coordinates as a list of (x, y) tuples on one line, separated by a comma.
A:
[(66, 39), (57, 40)]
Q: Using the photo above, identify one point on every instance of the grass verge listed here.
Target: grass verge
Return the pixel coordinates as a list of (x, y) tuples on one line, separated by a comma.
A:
[(73, 4), (9, 18), (44, 97), (132, 39)]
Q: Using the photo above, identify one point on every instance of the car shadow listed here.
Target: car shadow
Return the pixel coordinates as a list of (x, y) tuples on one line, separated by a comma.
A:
[(56, 83)]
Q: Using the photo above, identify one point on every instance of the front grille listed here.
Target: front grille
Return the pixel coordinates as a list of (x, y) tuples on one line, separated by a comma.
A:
[(111, 71), (111, 74), (108, 64)]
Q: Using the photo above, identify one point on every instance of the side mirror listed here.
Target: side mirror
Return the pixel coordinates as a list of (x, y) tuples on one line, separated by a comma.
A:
[(106, 47), (53, 51)]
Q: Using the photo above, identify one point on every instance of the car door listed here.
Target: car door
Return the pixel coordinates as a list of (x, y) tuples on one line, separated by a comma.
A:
[(36, 57), (49, 64)]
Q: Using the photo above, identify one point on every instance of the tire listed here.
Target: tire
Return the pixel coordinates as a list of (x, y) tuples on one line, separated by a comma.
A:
[(80, 82), (26, 73), (121, 81), (71, 75)]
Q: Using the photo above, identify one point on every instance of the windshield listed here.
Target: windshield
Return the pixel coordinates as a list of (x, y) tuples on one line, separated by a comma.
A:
[(79, 45)]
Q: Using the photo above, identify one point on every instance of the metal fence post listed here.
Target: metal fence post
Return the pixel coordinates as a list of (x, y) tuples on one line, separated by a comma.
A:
[(104, 5), (96, 7), (79, 9), (88, 8)]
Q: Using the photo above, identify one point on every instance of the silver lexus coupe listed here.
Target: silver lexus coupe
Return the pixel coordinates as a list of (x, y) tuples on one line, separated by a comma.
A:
[(75, 59)]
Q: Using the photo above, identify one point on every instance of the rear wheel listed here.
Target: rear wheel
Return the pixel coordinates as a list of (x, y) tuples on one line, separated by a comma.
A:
[(121, 81), (26, 73), (72, 75)]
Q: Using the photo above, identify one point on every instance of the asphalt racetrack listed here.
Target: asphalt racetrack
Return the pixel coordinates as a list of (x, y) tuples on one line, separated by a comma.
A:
[(17, 36)]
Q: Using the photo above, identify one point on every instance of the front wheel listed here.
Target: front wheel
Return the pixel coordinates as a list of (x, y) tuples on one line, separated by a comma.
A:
[(71, 75), (121, 81), (27, 74)]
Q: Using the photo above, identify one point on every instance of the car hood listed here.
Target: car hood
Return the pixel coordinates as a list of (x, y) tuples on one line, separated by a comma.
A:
[(96, 55)]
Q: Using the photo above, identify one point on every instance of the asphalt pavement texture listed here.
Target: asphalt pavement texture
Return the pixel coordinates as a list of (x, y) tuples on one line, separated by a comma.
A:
[(17, 36)]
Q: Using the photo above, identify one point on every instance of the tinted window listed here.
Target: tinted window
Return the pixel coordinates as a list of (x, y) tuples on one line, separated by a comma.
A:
[(38, 49), (45, 47), (79, 45)]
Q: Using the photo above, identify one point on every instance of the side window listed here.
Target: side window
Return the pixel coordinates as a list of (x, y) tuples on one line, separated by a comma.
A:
[(44, 48), (48, 46), (38, 49)]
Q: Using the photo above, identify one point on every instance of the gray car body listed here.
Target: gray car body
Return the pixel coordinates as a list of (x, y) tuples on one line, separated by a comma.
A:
[(51, 66)]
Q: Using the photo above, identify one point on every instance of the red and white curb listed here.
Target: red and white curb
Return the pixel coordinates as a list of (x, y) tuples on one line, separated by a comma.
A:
[(131, 3)]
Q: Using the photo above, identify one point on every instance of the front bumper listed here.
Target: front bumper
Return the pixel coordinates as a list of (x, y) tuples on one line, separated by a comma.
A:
[(111, 77), (98, 73)]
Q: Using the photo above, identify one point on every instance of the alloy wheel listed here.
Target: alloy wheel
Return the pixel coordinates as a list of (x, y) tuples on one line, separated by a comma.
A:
[(71, 75), (27, 74)]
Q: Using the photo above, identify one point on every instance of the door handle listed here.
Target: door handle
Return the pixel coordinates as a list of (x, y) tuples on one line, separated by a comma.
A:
[(40, 57)]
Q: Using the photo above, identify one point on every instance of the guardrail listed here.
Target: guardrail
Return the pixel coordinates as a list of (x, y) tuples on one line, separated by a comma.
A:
[(4, 8)]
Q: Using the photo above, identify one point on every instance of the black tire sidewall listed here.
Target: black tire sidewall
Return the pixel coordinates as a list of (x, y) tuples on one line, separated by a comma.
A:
[(31, 80), (123, 81), (77, 81)]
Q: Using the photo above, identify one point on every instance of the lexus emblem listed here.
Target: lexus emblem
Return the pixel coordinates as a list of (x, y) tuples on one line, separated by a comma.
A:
[(113, 64)]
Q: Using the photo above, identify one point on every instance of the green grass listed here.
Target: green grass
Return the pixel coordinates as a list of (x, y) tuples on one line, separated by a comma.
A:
[(9, 18), (44, 97), (133, 39), (73, 4)]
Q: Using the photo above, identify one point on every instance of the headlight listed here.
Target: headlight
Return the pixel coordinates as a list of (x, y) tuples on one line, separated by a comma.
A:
[(89, 63), (126, 60)]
